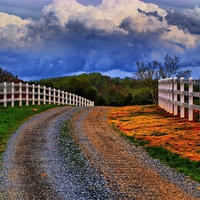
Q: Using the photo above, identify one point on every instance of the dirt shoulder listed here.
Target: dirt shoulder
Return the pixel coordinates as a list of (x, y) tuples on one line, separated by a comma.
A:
[(128, 170)]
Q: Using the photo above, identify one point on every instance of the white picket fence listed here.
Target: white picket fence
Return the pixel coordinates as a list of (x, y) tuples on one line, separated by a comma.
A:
[(173, 93), (36, 94)]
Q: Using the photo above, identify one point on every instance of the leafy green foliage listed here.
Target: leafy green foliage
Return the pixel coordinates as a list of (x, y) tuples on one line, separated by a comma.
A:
[(103, 90)]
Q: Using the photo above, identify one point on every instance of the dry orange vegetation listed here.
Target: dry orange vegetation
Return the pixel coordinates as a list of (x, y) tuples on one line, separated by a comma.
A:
[(153, 124)]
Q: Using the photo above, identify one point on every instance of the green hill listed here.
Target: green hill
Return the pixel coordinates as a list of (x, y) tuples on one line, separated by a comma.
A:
[(103, 90)]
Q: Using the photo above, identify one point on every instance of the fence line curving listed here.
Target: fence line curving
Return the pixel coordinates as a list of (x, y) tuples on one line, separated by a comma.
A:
[(36, 94), (177, 94)]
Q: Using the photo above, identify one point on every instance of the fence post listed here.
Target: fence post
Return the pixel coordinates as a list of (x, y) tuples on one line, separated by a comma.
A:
[(159, 93), (69, 98), (82, 101), (190, 108), (33, 94), (74, 99), (38, 94), (58, 97), (20, 94), (5, 94), (44, 95), (54, 96), (175, 96), (66, 97), (63, 97), (79, 101), (12, 94), (170, 96), (162, 93), (165, 94), (182, 108), (49, 95), (27, 97)]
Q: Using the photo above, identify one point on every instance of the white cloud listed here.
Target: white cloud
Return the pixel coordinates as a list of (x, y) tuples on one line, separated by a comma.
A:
[(117, 73), (111, 13), (12, 28), (63, 9), (6, 19)]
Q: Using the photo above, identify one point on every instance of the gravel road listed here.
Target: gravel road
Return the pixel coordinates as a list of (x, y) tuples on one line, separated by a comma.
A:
[(88, 160)]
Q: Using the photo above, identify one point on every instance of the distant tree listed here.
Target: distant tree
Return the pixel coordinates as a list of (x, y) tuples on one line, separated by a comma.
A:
[(91, 94), (185, 74), (148, 74), (101, 101), (129, 99), (170, 67), (6, 72)]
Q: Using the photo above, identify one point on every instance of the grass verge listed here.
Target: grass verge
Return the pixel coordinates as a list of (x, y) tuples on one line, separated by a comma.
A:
[(12, 117), (183, 165), (69, 149)]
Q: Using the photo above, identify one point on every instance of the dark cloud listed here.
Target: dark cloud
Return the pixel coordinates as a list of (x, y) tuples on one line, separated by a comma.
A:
[(93, 40), (185, 20), (178, 4), (154, 14), (76, 47)]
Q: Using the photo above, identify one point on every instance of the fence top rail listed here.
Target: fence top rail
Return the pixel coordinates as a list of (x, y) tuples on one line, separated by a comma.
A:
[(194, 81)]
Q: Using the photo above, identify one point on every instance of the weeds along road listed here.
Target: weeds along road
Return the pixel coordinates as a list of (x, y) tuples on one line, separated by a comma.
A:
[(40, 164)]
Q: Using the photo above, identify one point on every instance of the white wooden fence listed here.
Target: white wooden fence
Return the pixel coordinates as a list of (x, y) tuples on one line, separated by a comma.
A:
[(36, 94), (173, 93)]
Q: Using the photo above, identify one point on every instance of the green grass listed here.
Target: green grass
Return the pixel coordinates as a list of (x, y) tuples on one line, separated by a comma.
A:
[(12, 117), (69, 149), (137, 142), (183, 165)]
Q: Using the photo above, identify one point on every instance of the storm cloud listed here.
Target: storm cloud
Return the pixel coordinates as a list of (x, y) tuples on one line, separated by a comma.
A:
[(187, 19), (109, 38)]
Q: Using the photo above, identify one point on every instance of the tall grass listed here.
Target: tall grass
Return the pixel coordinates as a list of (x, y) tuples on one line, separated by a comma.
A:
[(12, 117)]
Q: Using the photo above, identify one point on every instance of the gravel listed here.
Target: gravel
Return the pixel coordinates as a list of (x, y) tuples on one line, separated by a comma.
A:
[(51, 157), (55, 173)]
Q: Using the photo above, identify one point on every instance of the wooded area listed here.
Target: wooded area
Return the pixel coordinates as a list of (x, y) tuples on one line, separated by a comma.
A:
[(103, 90)]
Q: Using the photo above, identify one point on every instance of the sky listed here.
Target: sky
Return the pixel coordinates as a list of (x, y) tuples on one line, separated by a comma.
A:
[(53, 38)]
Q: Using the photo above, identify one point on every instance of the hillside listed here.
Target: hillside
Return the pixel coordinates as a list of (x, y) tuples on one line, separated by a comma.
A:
[(103, 90)]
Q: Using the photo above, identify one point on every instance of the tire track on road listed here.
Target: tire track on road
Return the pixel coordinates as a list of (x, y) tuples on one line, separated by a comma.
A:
[(128, 176)]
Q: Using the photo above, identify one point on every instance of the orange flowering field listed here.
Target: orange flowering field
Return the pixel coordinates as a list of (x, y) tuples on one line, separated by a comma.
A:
[(151, 123)]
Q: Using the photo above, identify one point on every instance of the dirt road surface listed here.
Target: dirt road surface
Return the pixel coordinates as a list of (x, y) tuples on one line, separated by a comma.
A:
[(33, 167)]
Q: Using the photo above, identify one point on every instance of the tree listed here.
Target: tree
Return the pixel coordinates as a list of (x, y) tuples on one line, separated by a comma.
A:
[(148, 74), (170, 67), (129, 99), (185, 74)]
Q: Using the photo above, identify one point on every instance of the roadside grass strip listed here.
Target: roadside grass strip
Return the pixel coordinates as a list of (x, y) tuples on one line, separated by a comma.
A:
[(174, 141), (12, 117)]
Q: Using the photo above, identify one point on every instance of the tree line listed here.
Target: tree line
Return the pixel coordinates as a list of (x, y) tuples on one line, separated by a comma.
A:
[(142, 88)]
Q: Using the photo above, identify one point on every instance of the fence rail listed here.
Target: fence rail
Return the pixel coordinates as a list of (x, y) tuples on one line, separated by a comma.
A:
[(36, 94), (175, 93)]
